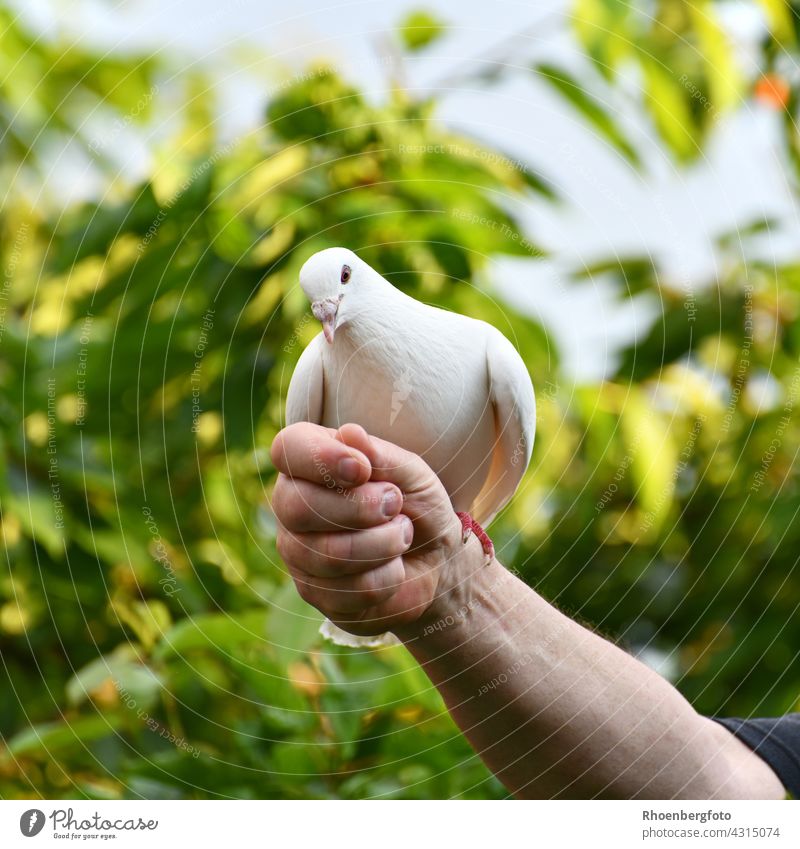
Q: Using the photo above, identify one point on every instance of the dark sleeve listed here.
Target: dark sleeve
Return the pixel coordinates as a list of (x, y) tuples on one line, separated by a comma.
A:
[(776, 740)]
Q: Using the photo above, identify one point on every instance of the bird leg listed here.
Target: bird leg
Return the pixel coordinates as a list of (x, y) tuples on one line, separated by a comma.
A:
[(470, 526)]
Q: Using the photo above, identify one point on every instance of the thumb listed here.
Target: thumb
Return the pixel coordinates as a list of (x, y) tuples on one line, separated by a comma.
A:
[(390, 462), (425, 500)]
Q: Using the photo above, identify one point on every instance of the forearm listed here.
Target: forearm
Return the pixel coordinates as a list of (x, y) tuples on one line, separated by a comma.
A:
[(555, 710)]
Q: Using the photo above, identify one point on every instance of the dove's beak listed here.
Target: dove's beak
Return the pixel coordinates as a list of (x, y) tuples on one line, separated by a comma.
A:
[(325, 311)]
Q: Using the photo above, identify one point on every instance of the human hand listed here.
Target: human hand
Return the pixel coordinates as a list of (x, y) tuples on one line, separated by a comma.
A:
[(365, 528)]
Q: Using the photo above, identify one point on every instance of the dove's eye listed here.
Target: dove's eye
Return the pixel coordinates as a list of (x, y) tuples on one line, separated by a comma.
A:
[(346, 272)]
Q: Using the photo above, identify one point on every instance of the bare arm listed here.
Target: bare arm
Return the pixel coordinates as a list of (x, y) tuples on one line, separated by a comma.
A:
[(557, 711), (553, 709)]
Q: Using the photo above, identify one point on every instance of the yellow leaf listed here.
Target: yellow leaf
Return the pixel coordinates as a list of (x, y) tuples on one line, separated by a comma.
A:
[(272, 246), (666, 102), (305, 679), (13, 619), (259, 309), (222, 555), (779, 16), (270, 173), (724, 78), (654, 460), (149, 620)]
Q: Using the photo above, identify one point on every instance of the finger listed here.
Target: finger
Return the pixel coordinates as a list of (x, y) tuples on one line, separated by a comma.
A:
[(389, 462), (313, 453), (333, 555), (425, 501), (302, 507), (352, 593)]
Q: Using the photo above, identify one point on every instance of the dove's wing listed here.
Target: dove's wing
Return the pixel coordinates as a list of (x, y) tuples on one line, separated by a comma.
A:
[(512, 399), (306, 396)]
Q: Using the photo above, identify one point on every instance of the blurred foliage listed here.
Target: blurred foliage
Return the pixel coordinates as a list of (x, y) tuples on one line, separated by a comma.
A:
[(674, 59), (420, 29), (151, 643), (53, 94), (658, 41)]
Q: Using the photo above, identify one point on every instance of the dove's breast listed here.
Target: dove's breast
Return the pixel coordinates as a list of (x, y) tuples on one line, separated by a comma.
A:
[(427, 392)]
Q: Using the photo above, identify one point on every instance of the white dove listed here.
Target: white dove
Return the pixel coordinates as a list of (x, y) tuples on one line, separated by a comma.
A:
[(448, 387)]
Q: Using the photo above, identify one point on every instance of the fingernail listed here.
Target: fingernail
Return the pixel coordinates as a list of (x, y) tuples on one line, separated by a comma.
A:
[(348, 470), (408, 532), (390, 503)]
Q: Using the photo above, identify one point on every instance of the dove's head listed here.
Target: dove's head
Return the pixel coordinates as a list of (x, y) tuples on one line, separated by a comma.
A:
[(331, 279)]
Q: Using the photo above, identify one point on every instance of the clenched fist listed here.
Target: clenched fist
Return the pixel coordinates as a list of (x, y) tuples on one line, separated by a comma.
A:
[(366, 528)]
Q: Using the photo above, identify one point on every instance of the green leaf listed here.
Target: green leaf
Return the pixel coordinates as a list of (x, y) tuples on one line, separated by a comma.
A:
[(131, 678), (293, 624), (50, 738), (686, 322), (667, 102), (220, 631), (603, 28), (636, 274), (35, 508)]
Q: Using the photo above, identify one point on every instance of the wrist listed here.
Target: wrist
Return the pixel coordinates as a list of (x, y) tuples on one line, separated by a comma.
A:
[(467, 591)]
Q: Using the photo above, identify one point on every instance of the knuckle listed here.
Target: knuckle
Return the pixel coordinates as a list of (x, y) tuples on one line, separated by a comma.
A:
[(283, 543), (354, 594), (279, 494), (306, 591), (394, 574), (369, 598), (337, 549), (363, 507), (368, 504), (295, 508), (276, 451), (370, 588), (398, 544)]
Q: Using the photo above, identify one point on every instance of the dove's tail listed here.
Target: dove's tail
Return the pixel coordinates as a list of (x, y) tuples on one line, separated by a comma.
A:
[(341, 638)]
